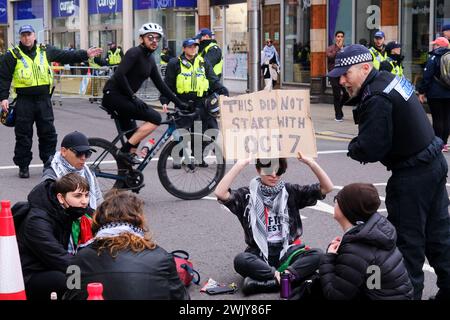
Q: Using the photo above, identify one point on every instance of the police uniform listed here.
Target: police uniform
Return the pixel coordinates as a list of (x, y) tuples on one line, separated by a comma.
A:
[(377, 57), (210, 51), (29, 72), (114, 57), (393, 62), (193, 80), (393, 128)]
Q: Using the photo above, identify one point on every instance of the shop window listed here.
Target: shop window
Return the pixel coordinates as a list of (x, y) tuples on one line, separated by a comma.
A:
[(297, 51), (442, 15), (236, 42), (415, 37), (368, 20), (340, 19)]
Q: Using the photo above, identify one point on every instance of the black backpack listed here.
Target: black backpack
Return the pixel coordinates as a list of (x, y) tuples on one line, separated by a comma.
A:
[(19, 211)]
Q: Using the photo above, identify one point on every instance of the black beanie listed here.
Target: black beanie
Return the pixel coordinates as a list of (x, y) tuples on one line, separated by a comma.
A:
[(358, 201)]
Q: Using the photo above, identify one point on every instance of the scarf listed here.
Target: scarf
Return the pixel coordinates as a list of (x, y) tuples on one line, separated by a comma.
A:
[(268, 53), (62, 167), (275, 198), (81, 233)]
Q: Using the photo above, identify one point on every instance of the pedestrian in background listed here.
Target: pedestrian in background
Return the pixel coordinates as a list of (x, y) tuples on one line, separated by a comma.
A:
[(124, 257), (393, 62), (394, 129), (436, 92), (369, 240), (268, 211), (378, 50), (270, 65), (339, 93)]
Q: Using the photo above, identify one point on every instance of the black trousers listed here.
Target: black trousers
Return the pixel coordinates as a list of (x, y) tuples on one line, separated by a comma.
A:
[(440, 114), (31, 109), (249, 264), (339, 97), (417, 204), (42, 284)]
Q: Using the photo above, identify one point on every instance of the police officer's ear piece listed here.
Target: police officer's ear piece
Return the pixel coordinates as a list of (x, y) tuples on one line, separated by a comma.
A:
[(355, 115)]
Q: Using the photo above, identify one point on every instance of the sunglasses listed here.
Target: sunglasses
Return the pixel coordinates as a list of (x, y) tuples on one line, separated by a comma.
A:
[(268, 171), (153, 38), (79, 154)]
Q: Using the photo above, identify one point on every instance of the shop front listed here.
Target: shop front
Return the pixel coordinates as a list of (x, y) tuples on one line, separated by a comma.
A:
[(177, 18), (29, 12), (105, 22), (229, 24), (66, 24), (3, 26)]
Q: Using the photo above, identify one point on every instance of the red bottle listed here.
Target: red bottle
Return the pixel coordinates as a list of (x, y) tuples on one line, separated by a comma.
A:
[(95, 291)]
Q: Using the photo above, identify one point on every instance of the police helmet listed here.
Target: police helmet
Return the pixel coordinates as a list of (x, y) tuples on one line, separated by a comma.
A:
[(151, 27), (8, 118), (212, 105)]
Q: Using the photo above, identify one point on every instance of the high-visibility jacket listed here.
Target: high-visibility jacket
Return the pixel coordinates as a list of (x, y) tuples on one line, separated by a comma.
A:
[(29, 72), (192, 77), (396, 68), (377, 57), (219, 66), (114, 57), (93, 64)]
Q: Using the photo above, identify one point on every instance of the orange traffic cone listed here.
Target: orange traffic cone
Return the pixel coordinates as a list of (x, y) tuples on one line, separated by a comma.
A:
[(11, 278)]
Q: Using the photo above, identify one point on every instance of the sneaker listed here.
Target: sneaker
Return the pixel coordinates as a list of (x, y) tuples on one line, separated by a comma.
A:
[(24, 172), (131, 158), (339, 119), (445, 148), (252, 286)]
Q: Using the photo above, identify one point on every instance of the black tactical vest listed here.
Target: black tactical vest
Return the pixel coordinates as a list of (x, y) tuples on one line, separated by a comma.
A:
[(412, 131)]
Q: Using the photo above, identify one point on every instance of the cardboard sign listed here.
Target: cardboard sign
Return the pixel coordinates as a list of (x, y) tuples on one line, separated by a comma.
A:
[(264, 124)]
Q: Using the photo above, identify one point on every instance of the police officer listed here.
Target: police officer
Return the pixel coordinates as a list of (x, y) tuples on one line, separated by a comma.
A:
[(210, 50), (165, 57), (378, 51), (393, 128), (192, 78), (27, 66), (393, 62), (114, 54)]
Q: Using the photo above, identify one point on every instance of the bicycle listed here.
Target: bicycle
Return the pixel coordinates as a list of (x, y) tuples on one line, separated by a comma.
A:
[(202, 173)]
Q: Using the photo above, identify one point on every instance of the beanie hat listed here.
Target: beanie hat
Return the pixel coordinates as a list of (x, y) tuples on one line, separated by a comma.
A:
[(358, 201)]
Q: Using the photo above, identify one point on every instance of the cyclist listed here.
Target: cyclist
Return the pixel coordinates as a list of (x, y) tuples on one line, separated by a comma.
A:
[(119, 93)]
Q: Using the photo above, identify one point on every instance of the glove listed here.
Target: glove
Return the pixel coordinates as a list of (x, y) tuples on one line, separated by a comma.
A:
[(185, 106), (138, 102)]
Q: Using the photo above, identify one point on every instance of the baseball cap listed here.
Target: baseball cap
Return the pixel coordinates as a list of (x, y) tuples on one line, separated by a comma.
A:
[(26, 28), (379, 34), (441, 42), (204, 32), (392, 45), (189, 42), (347, 57), (446, 27), (76, 141)]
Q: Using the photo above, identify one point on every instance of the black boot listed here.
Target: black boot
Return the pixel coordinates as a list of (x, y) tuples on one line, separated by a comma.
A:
[(24, 173), (252, 286)]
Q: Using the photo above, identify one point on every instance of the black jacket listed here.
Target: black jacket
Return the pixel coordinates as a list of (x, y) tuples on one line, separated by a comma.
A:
[(214, 54), (148, 275), (8, 64), (174, 69), (430, 86), (299, 197), (345, 275), (43, 236)]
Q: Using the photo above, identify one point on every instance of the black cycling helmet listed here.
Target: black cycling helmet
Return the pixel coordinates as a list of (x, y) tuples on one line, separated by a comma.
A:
[(212, 105), (8, 118)]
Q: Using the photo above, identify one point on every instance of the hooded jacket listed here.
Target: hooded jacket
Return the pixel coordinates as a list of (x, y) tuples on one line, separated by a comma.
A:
[(43, 236), (347, 276), (430, 86)]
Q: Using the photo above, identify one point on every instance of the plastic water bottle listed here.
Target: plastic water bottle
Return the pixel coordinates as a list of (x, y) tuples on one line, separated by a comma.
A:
[(285, 283), (95, 291), (145, 149)]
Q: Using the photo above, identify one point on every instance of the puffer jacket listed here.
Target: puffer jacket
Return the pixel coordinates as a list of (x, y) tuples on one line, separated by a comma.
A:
[(147, 275), (345, 275)]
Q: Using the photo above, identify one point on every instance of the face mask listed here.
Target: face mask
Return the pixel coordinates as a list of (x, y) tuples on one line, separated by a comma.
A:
[(75, 212), (397, 57)]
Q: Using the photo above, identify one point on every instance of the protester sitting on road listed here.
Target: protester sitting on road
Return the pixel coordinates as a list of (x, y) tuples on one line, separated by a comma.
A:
[(45, 238), (268, 211), (369, 241), (124, 257), (75, 150), (436, 91)]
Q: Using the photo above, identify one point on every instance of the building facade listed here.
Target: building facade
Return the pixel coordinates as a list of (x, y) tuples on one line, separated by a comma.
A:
[(301, 29)]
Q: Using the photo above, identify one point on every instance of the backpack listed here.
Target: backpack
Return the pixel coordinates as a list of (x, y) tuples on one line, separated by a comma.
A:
[(19, 211), (444, 78), (185, 267)]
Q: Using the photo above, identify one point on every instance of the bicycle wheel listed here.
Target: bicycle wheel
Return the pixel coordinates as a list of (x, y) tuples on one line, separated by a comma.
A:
[(190, 170), (105, 166)]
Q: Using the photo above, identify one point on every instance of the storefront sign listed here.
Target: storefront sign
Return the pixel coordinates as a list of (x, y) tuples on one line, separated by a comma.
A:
[(104, 6), (374, 19), (418, 10), (162, 4), (3, 12), (65, 8), (267, 125), (28, 9)]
